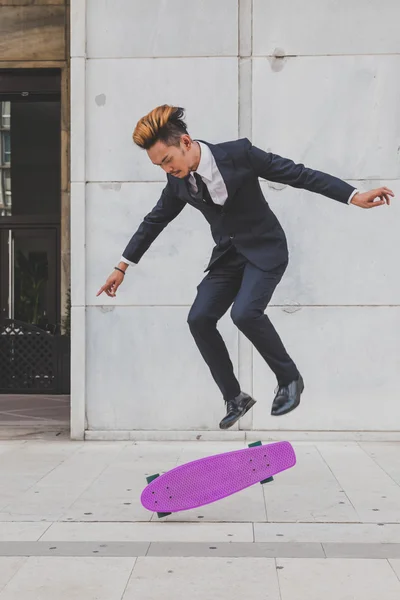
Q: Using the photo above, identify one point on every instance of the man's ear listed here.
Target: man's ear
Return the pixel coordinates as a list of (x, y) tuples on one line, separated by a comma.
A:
[(187, 142)]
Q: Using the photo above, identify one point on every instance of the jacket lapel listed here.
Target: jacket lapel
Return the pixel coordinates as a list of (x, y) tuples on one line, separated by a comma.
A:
[(226, 168)]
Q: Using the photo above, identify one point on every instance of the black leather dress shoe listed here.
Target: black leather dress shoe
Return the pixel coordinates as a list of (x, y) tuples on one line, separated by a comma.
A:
[(287, 397), (236, 409)]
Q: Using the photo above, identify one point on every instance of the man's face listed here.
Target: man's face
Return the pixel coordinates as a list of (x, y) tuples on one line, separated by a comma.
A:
[(175, 160)]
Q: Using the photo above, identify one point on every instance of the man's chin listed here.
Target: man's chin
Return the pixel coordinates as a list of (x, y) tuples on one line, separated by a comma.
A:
[(180, 174)]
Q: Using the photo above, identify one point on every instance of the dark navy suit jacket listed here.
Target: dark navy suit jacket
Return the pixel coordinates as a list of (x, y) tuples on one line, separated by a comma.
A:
[(245, 220)]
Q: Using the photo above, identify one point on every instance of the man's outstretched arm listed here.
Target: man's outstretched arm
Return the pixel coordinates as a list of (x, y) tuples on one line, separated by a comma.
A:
[(283, 170), (167, 208)]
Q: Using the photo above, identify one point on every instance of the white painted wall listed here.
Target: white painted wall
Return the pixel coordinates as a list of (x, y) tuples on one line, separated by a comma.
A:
[(331, 102)]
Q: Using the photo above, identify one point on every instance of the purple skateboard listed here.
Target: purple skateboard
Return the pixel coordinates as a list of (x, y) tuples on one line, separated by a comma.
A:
[(210, 479)]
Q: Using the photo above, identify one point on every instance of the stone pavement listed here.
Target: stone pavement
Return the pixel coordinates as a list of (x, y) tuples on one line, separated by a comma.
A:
[(24, 415), (72, 526)]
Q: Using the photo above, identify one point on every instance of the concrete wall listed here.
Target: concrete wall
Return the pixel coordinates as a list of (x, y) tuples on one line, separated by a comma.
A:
[(316, 82)]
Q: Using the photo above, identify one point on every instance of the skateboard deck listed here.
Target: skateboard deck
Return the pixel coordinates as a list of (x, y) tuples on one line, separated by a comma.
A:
[(207, 480)]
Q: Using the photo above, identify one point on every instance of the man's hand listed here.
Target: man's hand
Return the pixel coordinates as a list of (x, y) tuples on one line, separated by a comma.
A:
[(368, 199), (112, 284)]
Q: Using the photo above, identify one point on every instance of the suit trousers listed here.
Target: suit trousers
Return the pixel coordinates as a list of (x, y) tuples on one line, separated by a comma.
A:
[(235, 280)]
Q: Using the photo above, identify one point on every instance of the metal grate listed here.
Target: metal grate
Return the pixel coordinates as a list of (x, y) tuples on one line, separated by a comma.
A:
[(28, 358)]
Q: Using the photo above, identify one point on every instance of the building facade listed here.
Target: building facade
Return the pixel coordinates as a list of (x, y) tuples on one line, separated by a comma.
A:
[(34, 197), (315, 82)]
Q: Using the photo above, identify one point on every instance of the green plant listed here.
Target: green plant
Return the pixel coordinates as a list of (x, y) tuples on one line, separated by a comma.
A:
[(31, 275)]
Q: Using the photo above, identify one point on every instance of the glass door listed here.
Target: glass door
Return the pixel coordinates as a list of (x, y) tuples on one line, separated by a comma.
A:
[(28, 280), (34, 352)]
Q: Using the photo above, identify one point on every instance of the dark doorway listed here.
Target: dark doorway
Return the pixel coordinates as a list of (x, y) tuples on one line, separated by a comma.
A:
[(34, 347)]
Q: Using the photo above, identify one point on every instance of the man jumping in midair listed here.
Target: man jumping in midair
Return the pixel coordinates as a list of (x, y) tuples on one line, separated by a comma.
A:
[(250, 256)]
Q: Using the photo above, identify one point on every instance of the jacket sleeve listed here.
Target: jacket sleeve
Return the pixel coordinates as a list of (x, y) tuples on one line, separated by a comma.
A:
[(167, 208), (283, 170)]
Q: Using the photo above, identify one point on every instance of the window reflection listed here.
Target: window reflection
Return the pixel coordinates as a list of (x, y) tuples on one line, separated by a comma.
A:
[(31, 280), (5, 159)]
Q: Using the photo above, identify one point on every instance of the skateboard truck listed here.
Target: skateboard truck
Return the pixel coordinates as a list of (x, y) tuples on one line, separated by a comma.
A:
[(149, 479), (269, 478)]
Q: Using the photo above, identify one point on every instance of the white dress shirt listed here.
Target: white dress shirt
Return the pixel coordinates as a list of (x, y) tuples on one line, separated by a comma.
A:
[(212, 177)]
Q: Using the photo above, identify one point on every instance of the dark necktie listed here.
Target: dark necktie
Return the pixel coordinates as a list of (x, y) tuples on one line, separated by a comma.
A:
[(202, 193)]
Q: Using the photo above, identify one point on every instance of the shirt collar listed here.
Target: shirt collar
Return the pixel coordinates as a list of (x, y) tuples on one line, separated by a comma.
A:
[(205, 165)]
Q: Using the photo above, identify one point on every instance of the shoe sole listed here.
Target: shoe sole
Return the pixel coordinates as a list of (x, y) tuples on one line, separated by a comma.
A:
[(248, 406), (293, 407)]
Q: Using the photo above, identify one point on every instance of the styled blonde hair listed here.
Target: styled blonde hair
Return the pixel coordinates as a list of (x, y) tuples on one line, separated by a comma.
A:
[(164, 123)]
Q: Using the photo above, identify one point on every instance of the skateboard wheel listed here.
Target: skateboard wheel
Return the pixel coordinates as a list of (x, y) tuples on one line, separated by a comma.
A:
[(151, 478), (161, 515), (254, 444), (266, 480)]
